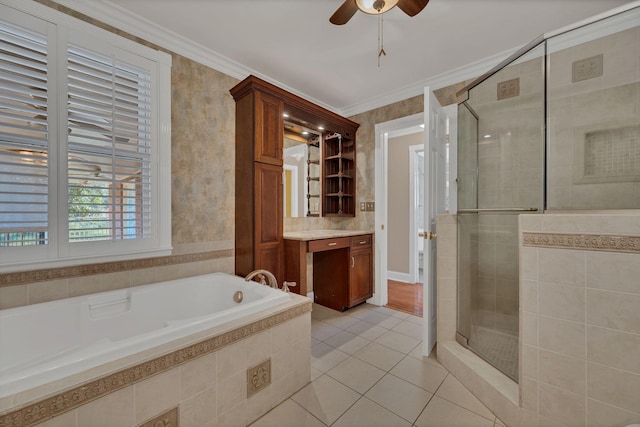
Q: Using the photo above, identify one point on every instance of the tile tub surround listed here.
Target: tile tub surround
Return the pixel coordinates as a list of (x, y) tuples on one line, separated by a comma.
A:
[(36, 286), (579, 325), (205, 374)]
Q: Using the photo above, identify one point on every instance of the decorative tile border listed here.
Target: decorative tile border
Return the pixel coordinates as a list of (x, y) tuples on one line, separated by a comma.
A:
[(24, 277), (166, 419), (42, 410), (585, 242)]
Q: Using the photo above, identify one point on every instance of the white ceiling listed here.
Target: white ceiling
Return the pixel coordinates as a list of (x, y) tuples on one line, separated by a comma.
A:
[(292, 43)]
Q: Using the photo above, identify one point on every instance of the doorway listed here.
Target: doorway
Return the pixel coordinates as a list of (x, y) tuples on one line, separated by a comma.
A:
[(383, 132), (405, 218)]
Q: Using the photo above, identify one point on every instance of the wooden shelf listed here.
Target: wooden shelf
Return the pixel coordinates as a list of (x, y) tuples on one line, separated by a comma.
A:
[(338, 185)]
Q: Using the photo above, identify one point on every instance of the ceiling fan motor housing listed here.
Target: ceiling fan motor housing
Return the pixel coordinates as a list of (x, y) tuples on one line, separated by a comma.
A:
[(378, 5)]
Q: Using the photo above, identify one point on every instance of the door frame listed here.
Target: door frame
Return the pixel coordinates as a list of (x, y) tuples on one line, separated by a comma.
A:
[(414, 241), (383, 131)]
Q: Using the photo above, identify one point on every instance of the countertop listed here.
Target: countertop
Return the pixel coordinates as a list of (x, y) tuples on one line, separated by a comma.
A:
[(322, 234)]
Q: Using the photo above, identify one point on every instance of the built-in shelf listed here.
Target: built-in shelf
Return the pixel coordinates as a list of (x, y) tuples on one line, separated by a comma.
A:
[(338, 171)]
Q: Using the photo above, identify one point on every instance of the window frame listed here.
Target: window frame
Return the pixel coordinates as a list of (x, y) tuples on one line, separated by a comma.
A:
[(59, 252)]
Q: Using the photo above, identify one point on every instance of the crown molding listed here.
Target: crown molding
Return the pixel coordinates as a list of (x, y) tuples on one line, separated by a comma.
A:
[(138, 26), (457, 75), (118, 17)]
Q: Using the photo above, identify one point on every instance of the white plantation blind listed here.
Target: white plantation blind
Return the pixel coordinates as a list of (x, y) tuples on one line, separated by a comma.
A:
[(109, 148), (85, 142), (24, 145)]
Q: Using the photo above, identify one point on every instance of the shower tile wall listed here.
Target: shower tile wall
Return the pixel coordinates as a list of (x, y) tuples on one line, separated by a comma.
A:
[(581, 325), (579, 334), (602, 105)]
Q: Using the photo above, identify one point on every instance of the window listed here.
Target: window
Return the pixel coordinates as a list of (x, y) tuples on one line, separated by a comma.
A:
[(84, 143)]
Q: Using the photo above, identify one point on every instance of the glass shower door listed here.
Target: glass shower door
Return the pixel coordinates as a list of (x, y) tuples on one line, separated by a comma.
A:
[(500, 171)]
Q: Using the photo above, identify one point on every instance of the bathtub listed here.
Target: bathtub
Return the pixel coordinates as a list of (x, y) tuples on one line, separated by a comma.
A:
[(45, 342)]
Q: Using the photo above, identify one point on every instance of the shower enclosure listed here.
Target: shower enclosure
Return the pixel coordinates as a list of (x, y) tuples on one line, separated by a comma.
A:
[(554, 127)]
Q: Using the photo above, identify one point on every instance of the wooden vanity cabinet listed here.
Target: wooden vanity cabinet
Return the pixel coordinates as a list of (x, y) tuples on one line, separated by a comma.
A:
[(361, 271), (342, 273)]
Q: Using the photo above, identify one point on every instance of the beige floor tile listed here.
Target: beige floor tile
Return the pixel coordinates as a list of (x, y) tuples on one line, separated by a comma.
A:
[(315, 373), (400, 397), (320, 312), (360, 310), (347, 342), (453, 391), (385, 310), (367, 330), (325, 357), (342, 322), (420, 373), (410, 328), (379, 356), (366, 413), (390, 322), (397, 341), (415, 319), (379, 319), (322, 330), (391, 312), (442, 413), (416, 353), (356, 374), (326, 398), (288, 414)]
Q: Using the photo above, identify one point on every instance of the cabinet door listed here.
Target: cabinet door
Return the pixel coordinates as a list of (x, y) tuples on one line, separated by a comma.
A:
[(269, 129), (268, 243), (360, 275)]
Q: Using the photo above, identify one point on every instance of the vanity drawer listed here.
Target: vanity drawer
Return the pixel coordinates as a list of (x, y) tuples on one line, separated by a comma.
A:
[(328, 244), (361, 241)]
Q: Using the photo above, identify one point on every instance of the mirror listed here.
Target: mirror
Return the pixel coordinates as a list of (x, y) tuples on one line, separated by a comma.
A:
[(301, 175)]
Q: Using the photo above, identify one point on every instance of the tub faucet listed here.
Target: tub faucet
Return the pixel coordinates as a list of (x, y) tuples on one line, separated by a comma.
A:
[(261, 274)]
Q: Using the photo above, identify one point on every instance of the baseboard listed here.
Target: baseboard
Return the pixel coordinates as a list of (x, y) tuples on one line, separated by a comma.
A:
[(399, 277)]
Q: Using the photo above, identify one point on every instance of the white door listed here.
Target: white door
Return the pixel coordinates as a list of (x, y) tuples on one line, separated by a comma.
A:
[(435, 157)]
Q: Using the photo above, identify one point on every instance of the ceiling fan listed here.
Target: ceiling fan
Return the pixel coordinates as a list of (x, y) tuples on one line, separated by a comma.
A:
[(375, 7)]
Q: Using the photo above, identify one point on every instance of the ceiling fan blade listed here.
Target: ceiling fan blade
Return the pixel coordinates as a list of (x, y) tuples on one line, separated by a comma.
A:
[(412, 7), (344, 12)]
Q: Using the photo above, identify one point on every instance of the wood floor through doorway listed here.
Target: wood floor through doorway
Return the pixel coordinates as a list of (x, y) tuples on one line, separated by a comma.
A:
[(406, 297)]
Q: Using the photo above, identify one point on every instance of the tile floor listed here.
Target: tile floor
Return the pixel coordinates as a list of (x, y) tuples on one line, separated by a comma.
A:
[(367, 370)]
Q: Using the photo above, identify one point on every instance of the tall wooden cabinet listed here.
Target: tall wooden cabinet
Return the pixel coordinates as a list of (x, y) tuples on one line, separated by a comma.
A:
[(260, 107), (258, 218)]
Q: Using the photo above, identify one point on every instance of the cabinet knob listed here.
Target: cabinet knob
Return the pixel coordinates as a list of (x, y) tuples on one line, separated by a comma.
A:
[(353, 262)]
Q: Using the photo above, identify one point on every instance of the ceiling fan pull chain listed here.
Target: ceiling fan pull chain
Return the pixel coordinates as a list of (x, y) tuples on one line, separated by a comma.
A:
[(381, 51)]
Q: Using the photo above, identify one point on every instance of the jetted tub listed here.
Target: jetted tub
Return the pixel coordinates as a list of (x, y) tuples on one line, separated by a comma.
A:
[(45, 342)]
